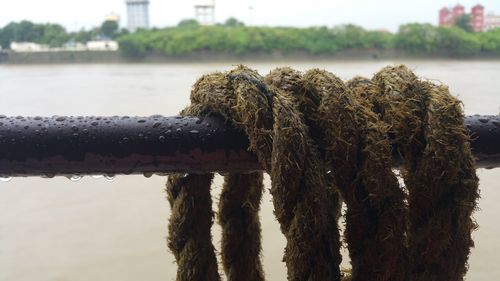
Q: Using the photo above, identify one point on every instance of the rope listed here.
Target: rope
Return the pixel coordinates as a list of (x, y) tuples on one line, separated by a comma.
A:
[(239, 217), (189, 227), (323, 142)]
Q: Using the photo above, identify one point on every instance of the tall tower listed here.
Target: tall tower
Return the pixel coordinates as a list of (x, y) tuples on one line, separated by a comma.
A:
[(137, 14), (205, 12)]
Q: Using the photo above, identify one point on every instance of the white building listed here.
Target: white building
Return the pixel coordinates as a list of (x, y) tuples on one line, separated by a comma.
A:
[(28, 47), (104, 45), (137, 14), (491, 21)]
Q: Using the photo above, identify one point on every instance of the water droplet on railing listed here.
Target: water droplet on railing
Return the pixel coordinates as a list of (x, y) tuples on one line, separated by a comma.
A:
[(60, 119), (48, 176), (75, 178), (148, 175), (5, 179), (109, 177)]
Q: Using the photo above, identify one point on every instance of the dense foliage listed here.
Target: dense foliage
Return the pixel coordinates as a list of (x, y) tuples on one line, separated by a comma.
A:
[(237, 39), (51, 34), (54, 35), (234, 38)]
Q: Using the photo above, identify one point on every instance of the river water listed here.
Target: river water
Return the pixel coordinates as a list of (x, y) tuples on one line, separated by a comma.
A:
[(98, 230)]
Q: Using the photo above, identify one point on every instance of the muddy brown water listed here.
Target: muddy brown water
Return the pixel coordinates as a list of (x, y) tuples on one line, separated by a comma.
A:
[(95, 229)]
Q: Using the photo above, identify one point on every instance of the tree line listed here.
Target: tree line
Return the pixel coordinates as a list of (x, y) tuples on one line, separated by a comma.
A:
[(55, 35), (234, 38)]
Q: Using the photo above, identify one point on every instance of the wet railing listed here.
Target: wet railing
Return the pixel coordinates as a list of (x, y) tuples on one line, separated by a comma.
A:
[(77, 146)]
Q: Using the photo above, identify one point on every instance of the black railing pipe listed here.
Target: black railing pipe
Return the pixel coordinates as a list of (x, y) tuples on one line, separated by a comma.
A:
[(50, 146)]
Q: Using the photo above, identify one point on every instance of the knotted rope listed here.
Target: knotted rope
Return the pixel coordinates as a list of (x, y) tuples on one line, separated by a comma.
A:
[(323, 142)]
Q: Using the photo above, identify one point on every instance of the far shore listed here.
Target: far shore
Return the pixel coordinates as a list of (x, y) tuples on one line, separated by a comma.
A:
[(115, 57)]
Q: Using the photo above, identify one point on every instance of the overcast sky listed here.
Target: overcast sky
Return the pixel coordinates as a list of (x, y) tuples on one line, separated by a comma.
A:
[(373, 14)]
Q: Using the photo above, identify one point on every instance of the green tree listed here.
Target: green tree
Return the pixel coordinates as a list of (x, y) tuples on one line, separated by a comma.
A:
[(109, 29), (416, 38), (53, 35), (81, 36), (3, 39), (189, 23), (456, 42), (232, 22), (464, 22), (490, 41)]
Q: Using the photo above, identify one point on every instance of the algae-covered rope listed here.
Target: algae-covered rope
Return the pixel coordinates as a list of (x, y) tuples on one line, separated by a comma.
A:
[(323, 141)]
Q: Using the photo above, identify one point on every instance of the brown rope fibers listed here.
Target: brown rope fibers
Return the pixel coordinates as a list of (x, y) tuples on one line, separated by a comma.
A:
[(323, 142)]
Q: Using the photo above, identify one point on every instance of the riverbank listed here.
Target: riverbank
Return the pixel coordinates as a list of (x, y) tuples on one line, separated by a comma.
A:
[(116, 57)]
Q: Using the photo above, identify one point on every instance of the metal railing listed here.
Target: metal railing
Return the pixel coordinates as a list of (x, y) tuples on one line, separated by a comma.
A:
[(58, 145)]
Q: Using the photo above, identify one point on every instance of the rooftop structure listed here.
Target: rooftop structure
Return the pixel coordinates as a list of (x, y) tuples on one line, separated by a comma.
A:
[(137, 14), (112, 17), (205, 12)]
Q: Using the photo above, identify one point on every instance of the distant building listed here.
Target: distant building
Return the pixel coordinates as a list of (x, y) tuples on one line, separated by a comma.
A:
[(204, 11), (457, 11), (477, 14), (491, 21), (445, 17), (479, 21), (103, 45), (23, 47), (137, 14)]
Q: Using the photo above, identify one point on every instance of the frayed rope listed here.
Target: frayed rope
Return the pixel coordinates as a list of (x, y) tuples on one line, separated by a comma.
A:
[(324, 142)]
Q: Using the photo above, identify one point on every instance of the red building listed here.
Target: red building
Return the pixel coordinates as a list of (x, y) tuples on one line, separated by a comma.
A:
[(448, 16), (445, 18), (457, 11), (477, 13)]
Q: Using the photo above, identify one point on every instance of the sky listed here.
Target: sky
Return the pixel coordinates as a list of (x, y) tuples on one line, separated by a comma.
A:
[(371, 14)]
